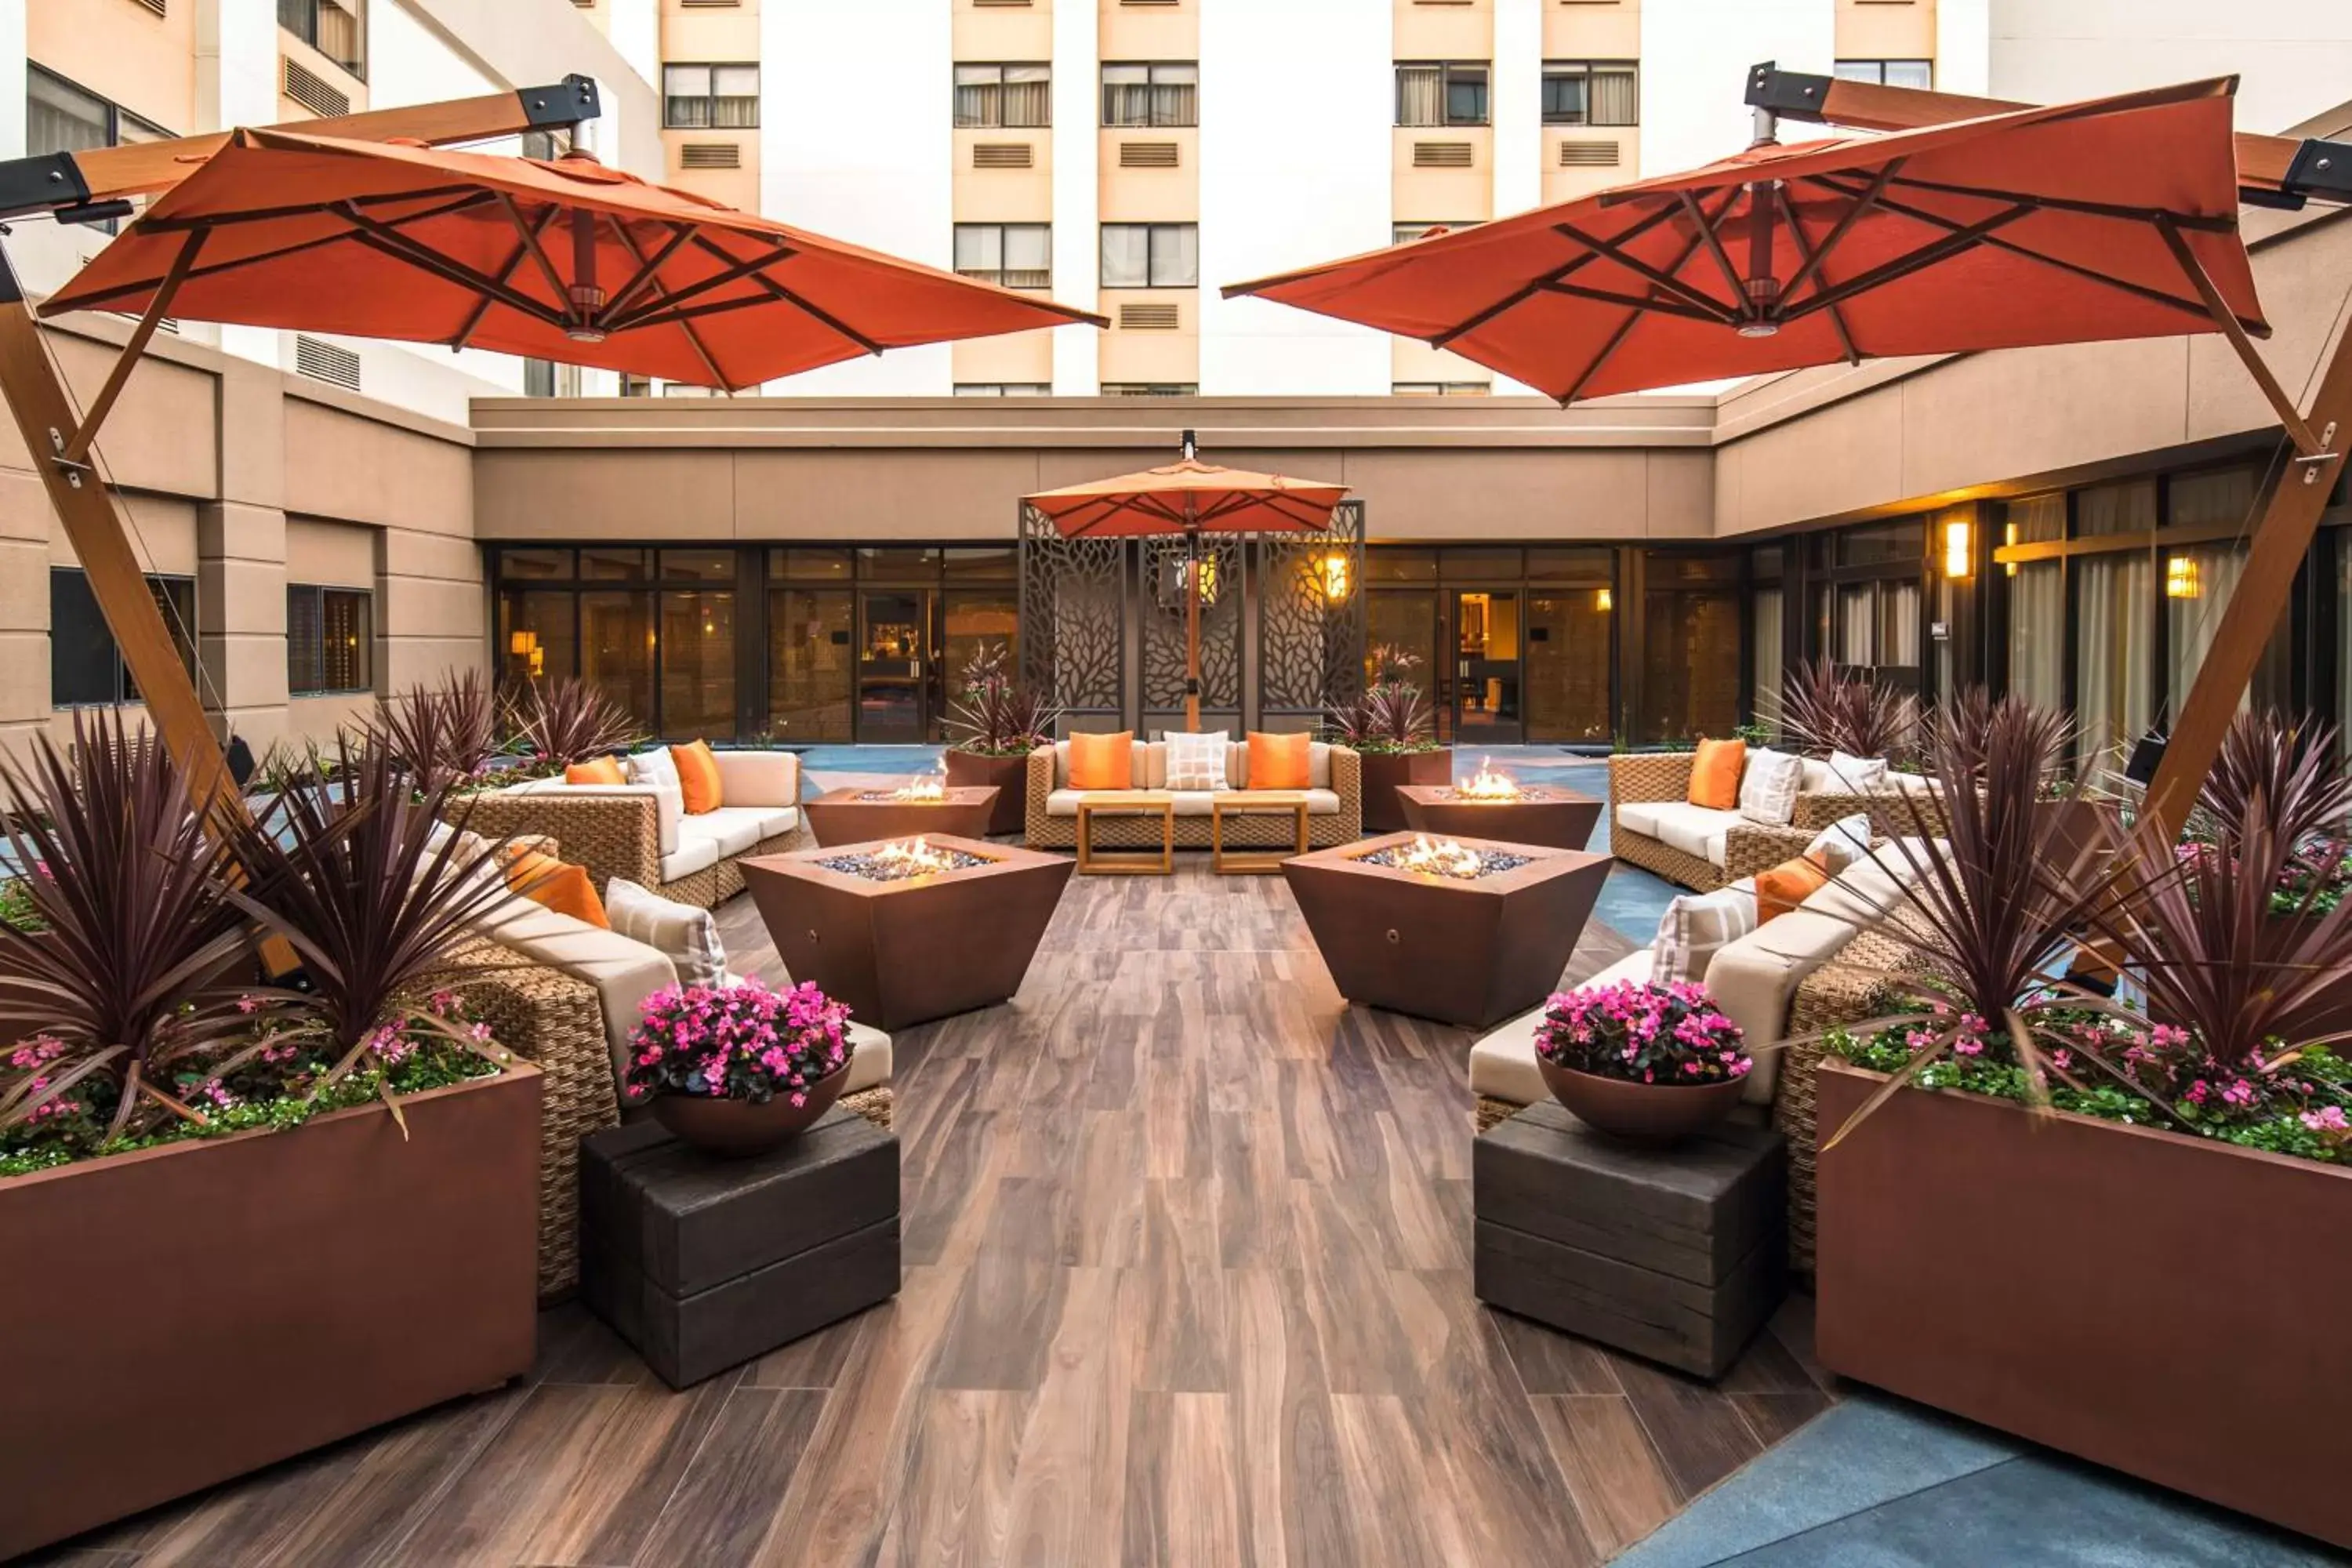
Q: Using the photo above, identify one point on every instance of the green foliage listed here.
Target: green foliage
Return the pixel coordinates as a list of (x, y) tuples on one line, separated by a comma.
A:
[(18, 908)]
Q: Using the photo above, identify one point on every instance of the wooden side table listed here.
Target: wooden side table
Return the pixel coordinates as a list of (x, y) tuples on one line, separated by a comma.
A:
[(1145, 803), (1254, 803)]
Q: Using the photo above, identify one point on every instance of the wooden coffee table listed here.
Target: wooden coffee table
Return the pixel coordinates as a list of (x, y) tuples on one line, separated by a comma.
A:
[(1254, 803), (862, 815), (1094, 862), (1560, 818)]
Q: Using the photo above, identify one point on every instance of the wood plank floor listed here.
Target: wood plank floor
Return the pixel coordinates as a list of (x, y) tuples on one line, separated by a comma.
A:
[(1186, 1280)]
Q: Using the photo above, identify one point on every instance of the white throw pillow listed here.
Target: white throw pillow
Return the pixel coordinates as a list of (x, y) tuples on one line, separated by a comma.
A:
[(1196, 762), (654, 767), (1767, 788), (1842, 842), (686, 934), (1859, 775), (1698, 925)]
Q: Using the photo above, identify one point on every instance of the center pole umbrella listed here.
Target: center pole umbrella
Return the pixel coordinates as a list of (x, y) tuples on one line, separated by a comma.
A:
[(1189, 498)]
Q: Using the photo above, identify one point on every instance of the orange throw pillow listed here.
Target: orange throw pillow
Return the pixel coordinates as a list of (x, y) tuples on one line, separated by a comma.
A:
[(560, 886), (1279, 762), (1714, 774), (1102, 761), (1788, 884), (595, 771), (698, 777)]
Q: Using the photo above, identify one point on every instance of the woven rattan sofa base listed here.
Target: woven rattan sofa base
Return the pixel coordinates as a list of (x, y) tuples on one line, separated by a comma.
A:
[(1490, 1113), (729, 873), (1654, 855), (874, 1104), (1252, 832), (557, 1024)]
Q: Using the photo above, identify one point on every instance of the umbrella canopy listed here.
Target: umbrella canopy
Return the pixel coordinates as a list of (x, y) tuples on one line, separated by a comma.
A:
[(1190, 494), (563, 259), (2112, 218)]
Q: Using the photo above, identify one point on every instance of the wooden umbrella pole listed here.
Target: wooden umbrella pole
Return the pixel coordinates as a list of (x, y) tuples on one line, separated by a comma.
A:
[(1192, 620)]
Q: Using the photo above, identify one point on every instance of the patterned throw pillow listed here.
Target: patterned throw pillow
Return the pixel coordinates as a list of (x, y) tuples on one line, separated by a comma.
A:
[(1842, 843), (1859, 775), (685, 934), (1767, 789), (1196, 762), (653, 767), (1696, 927)]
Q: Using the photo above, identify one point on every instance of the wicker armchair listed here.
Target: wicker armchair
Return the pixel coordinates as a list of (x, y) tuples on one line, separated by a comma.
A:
[(1046, 831), (1748, 847), (617, 833)]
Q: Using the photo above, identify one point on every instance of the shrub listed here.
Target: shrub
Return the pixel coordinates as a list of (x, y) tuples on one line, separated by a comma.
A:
[(1390, 715), (1641, 1034), (996, 715), (740, 1042), (569, 720), (439, 734), (1823, 710)]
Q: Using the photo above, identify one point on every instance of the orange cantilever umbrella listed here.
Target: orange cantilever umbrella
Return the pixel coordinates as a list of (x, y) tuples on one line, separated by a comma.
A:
[(2112, 218), (563, 259), (1189, 498)]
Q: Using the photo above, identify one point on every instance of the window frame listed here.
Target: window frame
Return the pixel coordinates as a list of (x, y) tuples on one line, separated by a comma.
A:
[(1151, 70), (1149, 389), (1002, 275), (114, 117), (712, 98), (1841, 70), (321, 592), (1001, 389), (1584, 70), (997, 97), (1446, 70), (181, 625), (1153, 232)]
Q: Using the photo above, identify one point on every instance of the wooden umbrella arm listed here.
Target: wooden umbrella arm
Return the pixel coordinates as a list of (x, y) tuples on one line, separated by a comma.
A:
[(2309, 443)]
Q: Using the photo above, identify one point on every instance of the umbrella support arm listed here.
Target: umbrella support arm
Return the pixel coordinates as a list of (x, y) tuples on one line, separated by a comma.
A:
[(2310, 445)]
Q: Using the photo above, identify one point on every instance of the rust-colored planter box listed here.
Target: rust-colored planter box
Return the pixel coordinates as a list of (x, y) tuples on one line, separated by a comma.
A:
[(2141, 1299), (187, 1313), (1384, 771), (1009, 774), (846, 816)]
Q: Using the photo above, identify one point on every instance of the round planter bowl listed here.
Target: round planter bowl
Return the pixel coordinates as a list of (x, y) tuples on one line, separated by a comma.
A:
[(1640, 1113), (736, 1129)]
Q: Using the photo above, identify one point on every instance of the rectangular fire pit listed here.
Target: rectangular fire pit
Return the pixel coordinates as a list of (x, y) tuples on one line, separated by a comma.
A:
[(1464, 931), (903, 942), (1539, 813), (864, 816)]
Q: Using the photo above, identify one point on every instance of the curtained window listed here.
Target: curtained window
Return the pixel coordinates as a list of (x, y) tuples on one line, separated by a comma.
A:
[(2198, 580), (1441, 92), (1591, 92), (2114, 599), (1151, 255), (1152, 93), (2037, 605), (1006, 96), (710, 97), (1014, 255)]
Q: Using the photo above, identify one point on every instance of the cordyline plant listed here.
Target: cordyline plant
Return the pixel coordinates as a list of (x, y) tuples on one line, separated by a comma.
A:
[(996, 715), (350, 872), (1390, 715), (1823, 711), (132, 974), (569, 720), (2282, 767), (439, 734)]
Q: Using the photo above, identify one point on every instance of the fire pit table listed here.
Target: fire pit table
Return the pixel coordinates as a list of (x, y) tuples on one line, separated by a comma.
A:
[(1464, 930), (1533, 814), (840, 817), (910, 930)]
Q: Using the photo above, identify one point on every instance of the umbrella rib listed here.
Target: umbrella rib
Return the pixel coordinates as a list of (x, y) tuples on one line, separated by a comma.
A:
[(627, 293), (673, 298), (482, 306), (693, 338), (778, 292), (1665, 281), (1886, 272), (1605, 296), (2076, 205), (403, 248), (1807, 254), (1844, 226), (1528, 291), (661, 315), (1714, 242), (529, 237), (303, 209), (1633, 318)]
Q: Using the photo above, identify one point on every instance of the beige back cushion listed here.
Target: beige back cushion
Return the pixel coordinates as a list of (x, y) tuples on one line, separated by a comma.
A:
[(1151, 765)]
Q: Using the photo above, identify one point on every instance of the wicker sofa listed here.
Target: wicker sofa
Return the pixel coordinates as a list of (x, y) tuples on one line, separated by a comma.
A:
[(1335, 809), (1653, 825), (641, 832)]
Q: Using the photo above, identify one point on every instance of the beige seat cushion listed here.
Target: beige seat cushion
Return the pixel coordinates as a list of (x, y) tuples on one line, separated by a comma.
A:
[(1694, 829), (735, 829), (692, 855), (1640, 817), (1503, 1063), (869, 1061), (1187, 802), (771, 779), (1754, 982), (624, 973)]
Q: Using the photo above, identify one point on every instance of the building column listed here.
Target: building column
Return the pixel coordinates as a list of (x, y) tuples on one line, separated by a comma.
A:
[(1964, 47), (1078, 195), (241, 561), (432, 617)]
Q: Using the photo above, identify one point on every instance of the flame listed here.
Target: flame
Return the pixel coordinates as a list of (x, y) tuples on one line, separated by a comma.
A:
[(1488, 784), (1441, 859), (929, 790), (914, 858)]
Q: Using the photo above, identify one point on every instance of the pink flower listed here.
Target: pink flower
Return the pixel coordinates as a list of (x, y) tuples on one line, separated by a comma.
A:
[(2327, 1119)]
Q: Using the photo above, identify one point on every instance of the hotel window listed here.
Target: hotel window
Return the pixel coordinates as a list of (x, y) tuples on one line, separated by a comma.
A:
[(2114, 624), (1002, 389), (1151, 389), (1441, 389), (328, 634), (1155, 93), (1768, 630), (62, 118), (1014, 255), (710, 97), (1591, 92), (1441, 92), (1889, 73), (332, 28), (1003, 97), (1152, 256), (2037, 602), (2199, 578), (1406, 233), (85, 666)]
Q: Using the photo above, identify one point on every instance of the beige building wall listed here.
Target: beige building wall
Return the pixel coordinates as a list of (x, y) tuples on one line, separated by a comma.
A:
[(1886, 29), (125, 53)]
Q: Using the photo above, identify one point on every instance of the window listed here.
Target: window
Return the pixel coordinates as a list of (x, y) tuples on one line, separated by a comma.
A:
[(1151, 389), (1440, 388), (545, 378), (1591, 92), (1152, 256), (1441, 92), (85, 667), (61, 118), (328, 633), (332, 27), (1016, 255), (711, 98), (1163, 92), (1002, 389), (1008, 97), (1881, 73), (1406, 233)]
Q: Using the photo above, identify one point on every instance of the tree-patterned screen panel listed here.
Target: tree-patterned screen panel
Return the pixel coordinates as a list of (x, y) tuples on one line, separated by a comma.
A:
[(1162, 566), (1311, 616), (1074, 618)]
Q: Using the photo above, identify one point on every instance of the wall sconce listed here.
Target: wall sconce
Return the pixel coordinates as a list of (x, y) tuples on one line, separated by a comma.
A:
[(522, 644), (1603, 600), (1207, 570), (1335, 577), (1956, 562), (2180, 579), (2009, 536)]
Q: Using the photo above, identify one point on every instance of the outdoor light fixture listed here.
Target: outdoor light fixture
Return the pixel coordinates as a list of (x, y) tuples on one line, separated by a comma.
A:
[(1956, 549), (1199, 575), (587, 297), (1603, 600), (1335, 576), (2009, 536), (2180, 579)]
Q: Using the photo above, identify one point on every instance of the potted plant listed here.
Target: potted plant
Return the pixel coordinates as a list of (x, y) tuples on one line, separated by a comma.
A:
[(2084, 1218), (296, 1179), (992, 727), (1391, 728), (739, 1069), (442, 734), (561, 722), (1651, 1064)]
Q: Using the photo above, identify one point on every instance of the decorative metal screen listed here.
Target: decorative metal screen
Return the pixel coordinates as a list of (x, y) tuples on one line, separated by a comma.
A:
[(1074, 618), (1311, 616), (1162, 561)]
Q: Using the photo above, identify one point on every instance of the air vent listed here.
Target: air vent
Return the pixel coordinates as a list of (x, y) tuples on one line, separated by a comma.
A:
[(304, 86), (1002, 155), (1000, 1), (1441, 155), (1148, 318), (155, 6), (1147, 155), (325, 362), (709, 155), (1148, 2), (1588, 155), (690, 4)]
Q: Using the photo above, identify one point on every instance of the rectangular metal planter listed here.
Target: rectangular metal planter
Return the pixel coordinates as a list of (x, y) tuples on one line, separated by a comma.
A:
[(2140, 1298), (187, 1313)]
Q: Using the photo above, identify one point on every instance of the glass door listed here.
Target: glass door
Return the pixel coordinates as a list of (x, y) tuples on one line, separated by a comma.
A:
[(893, 662), (1486, 644), (1568, 664)]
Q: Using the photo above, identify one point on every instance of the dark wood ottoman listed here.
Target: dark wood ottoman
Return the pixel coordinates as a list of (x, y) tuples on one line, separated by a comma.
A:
[(703, 1262), (1674, 1253)]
